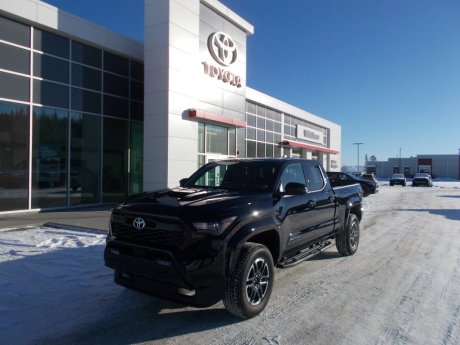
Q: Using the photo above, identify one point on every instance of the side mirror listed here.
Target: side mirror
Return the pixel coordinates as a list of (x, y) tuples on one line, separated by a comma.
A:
[(183, 181), (295, 188)]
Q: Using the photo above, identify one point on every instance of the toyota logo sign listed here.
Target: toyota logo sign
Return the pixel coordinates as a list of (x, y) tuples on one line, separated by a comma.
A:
[(139, 223), (222, 48)]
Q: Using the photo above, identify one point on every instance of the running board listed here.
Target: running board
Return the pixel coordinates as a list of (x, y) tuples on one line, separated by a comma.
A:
[(304, 254)]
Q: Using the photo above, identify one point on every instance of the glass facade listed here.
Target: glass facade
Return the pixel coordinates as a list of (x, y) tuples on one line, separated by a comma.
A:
[(263, 131), (71, 121), (266, 128)]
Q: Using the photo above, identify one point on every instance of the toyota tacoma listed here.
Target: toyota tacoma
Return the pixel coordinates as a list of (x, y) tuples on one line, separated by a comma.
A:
[(220, 235)]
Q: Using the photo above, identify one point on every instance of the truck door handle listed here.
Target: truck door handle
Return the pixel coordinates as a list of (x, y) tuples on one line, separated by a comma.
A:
[(331, 198)]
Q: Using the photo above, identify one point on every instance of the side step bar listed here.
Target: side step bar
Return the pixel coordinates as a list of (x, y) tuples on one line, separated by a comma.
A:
[(304, 254)]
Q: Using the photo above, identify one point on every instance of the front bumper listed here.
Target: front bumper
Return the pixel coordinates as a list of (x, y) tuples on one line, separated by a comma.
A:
[(197, 282)]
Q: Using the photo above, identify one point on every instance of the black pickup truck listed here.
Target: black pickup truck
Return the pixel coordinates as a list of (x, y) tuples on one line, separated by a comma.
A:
[(222, 232)]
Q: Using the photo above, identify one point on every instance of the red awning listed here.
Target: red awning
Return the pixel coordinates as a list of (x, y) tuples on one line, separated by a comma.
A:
[(290, 143), (214, 118)]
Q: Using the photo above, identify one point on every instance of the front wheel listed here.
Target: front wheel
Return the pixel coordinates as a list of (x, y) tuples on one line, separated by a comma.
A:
[(347, 241), (250, 286)]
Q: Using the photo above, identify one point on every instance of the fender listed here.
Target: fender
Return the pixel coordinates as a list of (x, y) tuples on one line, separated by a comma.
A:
[(259, 226), (353, 206)]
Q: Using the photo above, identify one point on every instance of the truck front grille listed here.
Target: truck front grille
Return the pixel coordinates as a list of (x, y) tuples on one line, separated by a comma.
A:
[(157, 231)]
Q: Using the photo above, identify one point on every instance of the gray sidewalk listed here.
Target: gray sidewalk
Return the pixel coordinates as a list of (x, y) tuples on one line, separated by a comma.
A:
[(89, 217)]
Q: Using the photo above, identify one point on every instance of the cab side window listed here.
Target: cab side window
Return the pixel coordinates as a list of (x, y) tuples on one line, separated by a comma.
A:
[(292, 173), (315, 180)]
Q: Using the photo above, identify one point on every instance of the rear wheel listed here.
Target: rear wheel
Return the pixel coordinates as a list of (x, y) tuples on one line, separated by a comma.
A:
[(347, 241), (250, 286)]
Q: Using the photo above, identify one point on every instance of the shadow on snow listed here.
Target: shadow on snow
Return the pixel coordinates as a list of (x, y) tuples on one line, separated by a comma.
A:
[(68, 296), (453, 214)]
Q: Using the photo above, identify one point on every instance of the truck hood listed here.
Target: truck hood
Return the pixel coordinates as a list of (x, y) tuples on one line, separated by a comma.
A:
[(193, 202)]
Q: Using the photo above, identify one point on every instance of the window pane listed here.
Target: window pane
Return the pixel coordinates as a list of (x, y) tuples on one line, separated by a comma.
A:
[(88, 78), (137, 111), (52, 94), (232, 141), (49, 158), (201, 138), (261, 111), (251, 108), (269, 114), (86, 101), (276, 151), (251, 149), (14, 59), (116, 85), (260, 135), (251, 133), (86, 55), (85, 158), (241, 142), (115, 106), (137, 91), (261, 150), (287, 130), (269, 152), (292, 173), (251, 120), (269, 137), (48, 67), (12, 31), (136, 159), (14, 156), (115, 160), (51, 43), (315, 179), (277, 138), (14, 87), (116, 64), (261, 122), (269, 125), (137, 70), (216, 139)]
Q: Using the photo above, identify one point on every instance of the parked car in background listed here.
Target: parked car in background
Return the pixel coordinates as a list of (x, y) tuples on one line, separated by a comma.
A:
[(338, 179), (398, 179), (422, 179), (370, 177)]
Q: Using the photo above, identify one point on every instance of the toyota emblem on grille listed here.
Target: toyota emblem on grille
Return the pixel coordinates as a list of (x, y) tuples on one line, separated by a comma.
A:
[(139, 223)]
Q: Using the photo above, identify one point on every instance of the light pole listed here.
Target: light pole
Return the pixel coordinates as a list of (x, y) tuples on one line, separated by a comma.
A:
[(357, 144)]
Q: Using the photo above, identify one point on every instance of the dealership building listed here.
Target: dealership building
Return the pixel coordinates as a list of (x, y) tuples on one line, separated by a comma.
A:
[(88, 116)]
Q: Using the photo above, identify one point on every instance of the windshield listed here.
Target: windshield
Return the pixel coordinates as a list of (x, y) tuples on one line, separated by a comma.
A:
[(239, 175)]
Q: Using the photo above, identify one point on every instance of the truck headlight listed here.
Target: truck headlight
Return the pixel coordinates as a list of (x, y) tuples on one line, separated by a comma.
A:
[(214, 228)]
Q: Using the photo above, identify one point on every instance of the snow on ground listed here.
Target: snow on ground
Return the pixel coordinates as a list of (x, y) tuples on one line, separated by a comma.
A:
[(53, 281)]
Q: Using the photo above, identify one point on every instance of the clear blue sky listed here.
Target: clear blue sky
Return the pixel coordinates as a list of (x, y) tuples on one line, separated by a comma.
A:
[(387, 71)]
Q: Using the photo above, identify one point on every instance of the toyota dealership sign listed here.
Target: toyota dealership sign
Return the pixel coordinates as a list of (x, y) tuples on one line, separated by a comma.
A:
[(223, 50)]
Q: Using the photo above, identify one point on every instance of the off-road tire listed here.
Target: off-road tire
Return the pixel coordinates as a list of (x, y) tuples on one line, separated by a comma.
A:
[(347, 241), (250, 285)]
